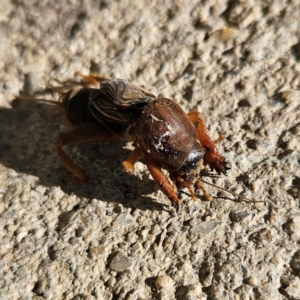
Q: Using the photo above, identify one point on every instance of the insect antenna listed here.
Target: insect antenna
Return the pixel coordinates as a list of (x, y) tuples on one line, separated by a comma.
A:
[(53, 88), (31, 98), (228, 191), (50, 88)]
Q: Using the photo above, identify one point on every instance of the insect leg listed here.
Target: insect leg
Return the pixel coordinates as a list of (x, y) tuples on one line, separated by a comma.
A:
[(197, 117), (82, 133), (53, 88), (32, 98), (134, 156), (220, 138), (92, 78), (212, 156), (206, 194), (162, 181)]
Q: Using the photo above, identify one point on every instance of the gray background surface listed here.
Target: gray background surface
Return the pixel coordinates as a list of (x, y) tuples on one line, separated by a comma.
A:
[(117, 237)]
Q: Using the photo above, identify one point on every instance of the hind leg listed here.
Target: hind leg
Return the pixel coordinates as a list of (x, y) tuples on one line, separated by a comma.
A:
[(82, 133)]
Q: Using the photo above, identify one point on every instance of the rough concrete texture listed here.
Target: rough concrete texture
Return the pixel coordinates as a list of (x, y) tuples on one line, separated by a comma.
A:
[(117, 237)]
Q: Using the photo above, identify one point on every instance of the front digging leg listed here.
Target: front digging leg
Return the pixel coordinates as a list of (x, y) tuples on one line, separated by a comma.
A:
[(212, 157), (130, 161)]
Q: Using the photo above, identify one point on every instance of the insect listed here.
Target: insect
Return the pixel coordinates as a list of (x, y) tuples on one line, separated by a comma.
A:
[(163, 135)]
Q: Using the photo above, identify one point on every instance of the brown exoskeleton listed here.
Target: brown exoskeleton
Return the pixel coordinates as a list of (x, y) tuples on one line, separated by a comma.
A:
[(162, 134)]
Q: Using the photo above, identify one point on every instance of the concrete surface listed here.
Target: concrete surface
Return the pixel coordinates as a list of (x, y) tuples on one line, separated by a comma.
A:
[(238, 62)]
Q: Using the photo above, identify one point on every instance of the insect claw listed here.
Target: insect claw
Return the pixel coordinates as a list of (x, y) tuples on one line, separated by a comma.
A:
[(176, 205), (179, 195), (225, 171)]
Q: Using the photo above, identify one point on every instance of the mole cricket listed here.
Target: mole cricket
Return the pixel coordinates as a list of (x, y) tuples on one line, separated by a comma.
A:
[(163, 135)]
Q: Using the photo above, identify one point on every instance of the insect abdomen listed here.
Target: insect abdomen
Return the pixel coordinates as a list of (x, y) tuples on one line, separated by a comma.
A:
[(76, 106)]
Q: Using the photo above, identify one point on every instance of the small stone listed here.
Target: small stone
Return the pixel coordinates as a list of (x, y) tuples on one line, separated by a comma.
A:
[(292, 227), (159, 84), (2, 207), (260, 145), (165, 287), (21, 271), (226, 33), (204, 227), (295, 263), (79, 231), (41, 189), (2, 263), (20, 234), (124, 219), (290, 96), (98, 250), (120, 262), (238, 216), (293, 289), (191, 292), (251, 281), (188, 276)]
